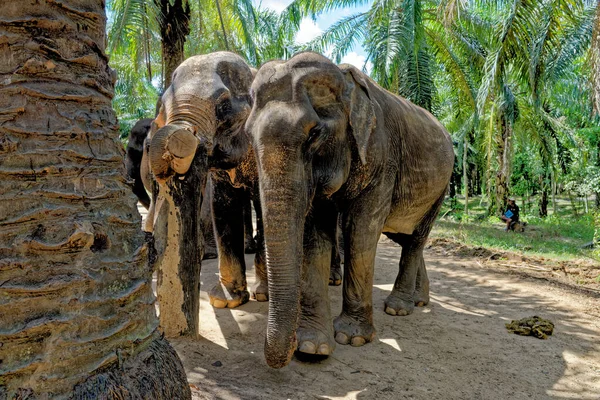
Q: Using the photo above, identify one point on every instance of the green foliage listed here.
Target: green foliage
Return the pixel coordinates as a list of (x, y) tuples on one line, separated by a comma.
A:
[(134, 44), (514, 81)]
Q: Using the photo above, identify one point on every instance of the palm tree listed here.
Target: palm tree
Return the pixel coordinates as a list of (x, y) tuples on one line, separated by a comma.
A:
[(174, 24), (394, 33), (77, 306)]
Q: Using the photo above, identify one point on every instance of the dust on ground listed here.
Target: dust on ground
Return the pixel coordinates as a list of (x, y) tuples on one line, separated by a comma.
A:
[(457, 347)]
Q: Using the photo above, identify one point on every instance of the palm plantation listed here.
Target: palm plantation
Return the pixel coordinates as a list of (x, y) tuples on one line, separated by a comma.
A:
[(516, 82), (497, 73)]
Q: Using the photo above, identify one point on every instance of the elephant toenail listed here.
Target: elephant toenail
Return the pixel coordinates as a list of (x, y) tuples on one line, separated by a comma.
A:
[(342, 338), (390, 310), (323, 349), (307, 347), (261, 297), (219, 303), (358, 341)]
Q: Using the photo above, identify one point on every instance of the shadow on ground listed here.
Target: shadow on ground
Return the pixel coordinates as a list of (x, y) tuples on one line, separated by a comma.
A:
[(455, 348)]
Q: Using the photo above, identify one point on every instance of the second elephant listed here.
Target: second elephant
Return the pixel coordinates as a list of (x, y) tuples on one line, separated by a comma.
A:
[(328, 138)]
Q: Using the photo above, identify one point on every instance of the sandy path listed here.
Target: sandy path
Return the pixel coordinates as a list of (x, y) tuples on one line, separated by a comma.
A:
[(455, 348)]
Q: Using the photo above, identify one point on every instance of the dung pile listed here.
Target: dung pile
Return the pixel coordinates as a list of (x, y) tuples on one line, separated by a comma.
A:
[(531, 326)]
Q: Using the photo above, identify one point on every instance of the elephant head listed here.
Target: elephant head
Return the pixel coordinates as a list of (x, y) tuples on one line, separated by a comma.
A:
[(199, 127), (310, 121), (202, 115)]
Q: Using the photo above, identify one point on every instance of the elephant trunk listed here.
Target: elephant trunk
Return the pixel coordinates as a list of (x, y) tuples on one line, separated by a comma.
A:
[(283, 203), (172, 150)]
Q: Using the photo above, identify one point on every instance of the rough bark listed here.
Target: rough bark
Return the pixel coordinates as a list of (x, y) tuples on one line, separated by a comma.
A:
[(174, 23), (465, 166), (503, 174), (76, 303)]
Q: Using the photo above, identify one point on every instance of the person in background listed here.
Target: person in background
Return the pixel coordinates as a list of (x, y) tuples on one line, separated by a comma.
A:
[(511, 214)]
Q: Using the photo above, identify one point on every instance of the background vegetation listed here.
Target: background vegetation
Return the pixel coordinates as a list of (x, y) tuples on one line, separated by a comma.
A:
[(516, 82)]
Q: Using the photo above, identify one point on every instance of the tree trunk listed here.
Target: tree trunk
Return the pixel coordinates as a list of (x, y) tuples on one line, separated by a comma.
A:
[(465, 165), (544, 201), (503, 175), (174, 23), (596, 240), (553, 192), (76, 303)]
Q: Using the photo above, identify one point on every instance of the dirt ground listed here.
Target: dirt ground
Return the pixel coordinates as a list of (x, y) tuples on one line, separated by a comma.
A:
[(455, 348)]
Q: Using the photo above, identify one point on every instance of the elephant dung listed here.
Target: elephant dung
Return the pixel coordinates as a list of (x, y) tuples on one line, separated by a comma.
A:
[(531, 326)]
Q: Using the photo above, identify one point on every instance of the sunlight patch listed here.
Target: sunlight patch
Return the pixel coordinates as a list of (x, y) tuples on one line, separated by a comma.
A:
[(393, 343)]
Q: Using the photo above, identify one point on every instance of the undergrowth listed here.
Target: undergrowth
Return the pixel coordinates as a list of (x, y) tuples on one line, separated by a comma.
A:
[(559, 236)]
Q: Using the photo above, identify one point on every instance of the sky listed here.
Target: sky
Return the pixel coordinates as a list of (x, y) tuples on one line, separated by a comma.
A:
[(310, 29)]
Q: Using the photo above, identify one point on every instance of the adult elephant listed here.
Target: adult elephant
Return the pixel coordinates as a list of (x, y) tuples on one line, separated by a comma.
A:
[(200, 128), (327, 138)]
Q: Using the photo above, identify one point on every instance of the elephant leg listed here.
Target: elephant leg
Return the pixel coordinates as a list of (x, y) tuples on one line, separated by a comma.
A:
[(315, 331), (412, 284), (227, 206), (362, 226), (210, 246), (402, 301), (249, 242), (335, 274), (421, 296), (261, 288)]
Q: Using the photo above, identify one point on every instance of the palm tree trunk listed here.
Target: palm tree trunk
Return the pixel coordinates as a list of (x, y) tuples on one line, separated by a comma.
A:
[(77, 308), (553, 192), (544, 196), (174, 23), (466, 173), (503, 174)]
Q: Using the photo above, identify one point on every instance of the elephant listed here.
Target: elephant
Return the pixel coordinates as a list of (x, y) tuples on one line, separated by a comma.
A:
[(199, 130), (133, 158), (327, 138), (142, 185)]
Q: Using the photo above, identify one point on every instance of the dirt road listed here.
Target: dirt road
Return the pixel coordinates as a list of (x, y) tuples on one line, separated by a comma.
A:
[(455, 348)]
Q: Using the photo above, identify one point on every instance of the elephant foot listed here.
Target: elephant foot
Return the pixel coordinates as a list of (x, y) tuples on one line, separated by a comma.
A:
[(313, 341), (335, 276), (350, 331), (221, 296), (421, 299), (394, 305), (261, 292), (210, 254), (250, 246), (421, 295)]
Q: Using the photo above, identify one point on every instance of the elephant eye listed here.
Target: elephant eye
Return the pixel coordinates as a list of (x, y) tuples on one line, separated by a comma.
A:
[(316, 136), (314, 133), (224, 108)]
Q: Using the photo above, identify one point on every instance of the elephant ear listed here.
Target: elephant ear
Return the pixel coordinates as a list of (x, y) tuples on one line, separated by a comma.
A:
[(359, 107)]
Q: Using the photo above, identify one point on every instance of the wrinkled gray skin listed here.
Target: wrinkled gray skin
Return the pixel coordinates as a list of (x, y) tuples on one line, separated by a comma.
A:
[(201, 124), (328, 138)]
